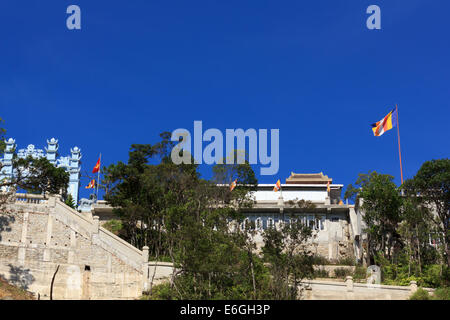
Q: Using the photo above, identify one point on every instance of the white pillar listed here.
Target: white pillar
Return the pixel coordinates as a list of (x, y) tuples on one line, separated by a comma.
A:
[(413, 286), (145, 268), (96, 224), (349, 282)]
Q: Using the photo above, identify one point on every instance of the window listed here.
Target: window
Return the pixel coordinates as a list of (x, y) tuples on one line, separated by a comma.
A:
[(259, 224), (247, 223), (264, 223), (302, 218), (287, 220), (321, 222), (270, 223), (310, 223)]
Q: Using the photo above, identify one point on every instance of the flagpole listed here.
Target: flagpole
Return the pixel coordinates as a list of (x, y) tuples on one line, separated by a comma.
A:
[(399, 149), (98, 174)]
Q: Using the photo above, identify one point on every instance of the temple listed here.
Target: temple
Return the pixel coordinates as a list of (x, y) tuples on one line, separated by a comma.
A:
[(336, 226), (70, 163)]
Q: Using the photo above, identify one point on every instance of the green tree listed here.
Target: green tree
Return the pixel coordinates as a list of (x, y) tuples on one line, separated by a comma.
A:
[(70, 202), (286, 251), (2, 140), (39, 176), (431, 187), (178, 215), (381, 204), (32, 175), (414, 231)]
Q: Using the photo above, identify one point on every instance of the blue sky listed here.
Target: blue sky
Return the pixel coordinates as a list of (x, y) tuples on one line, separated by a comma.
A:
[(310, 68)]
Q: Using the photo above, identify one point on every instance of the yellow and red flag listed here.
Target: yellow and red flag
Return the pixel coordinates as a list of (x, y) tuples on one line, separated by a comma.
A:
[(385, 124), (277, 186), (97, 166), (91, 184), (328, 186), (233, 185)]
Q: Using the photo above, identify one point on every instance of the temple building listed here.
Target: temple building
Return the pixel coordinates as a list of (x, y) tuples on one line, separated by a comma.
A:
[(336, 226)]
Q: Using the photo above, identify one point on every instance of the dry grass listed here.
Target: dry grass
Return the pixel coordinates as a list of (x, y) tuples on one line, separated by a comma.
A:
[(11, 292)]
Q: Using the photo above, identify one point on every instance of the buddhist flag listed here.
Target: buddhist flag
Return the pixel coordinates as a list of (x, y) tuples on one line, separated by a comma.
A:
[(328, 186), (277, 186), (233, 185), (385, 124), (97, 166), (91, 184)]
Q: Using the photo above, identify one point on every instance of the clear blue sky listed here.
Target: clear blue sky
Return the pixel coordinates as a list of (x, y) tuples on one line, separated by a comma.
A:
[(310, 68)]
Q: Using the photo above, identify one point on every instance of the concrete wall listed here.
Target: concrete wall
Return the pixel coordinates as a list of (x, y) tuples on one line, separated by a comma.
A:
[(38, 235), (311, 195), (348, 290), (159, 272)]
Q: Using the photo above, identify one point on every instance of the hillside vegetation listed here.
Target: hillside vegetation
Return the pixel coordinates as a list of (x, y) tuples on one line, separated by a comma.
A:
[(10, 292)]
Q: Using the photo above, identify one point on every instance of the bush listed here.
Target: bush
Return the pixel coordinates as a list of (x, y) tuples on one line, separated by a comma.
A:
[(360, 273), (159, 292), (346, 262), (114, 226), (435, 276), (442, 294), (403, 280), (431, 276), (320, 260), (342, 272), (420, 294), (321, 273)]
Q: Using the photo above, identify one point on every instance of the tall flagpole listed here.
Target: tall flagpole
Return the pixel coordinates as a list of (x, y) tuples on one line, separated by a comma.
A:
[(98, 172), (399, 149)]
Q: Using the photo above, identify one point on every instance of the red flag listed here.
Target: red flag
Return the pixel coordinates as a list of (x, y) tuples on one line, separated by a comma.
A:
[(97, 166)]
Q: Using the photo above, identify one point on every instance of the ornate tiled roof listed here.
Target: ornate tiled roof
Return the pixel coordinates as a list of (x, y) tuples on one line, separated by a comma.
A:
[(308, 178)]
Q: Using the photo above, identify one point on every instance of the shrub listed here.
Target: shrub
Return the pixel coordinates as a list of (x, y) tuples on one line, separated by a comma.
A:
[(360, 273), (435, 276), (161, 291), (113, 226), (341, 272), (320, 260), (321, 273), (442, 294), (420, 294), (403, 280), (346, 262)]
